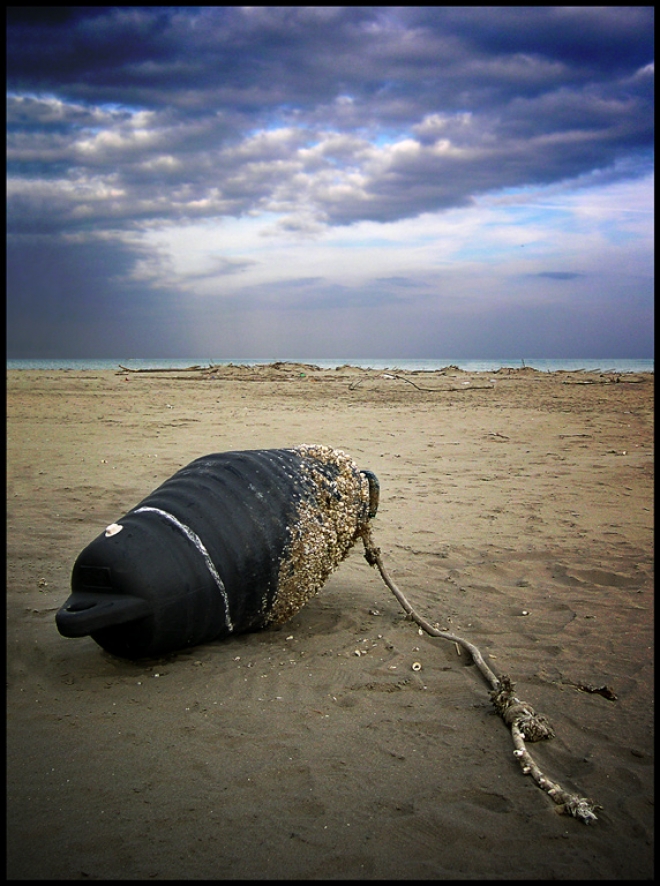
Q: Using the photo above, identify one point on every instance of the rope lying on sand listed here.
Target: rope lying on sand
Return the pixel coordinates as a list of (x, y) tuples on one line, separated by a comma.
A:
[(525, 724)]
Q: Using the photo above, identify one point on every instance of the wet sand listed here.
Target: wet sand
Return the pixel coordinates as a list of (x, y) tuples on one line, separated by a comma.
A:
[(284, 753)]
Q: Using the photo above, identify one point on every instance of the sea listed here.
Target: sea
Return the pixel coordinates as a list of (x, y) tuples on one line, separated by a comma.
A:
[(616, 364)]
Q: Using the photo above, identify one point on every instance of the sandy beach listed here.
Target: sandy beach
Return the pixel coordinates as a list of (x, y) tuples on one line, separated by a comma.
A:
[(516, 510)]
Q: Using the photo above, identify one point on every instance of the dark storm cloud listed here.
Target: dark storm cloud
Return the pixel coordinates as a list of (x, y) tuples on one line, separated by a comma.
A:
[(125, 124), (120, 116), (78, 298)]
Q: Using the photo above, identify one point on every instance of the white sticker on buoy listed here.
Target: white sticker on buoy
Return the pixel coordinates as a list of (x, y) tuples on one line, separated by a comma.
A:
[(113, 529)]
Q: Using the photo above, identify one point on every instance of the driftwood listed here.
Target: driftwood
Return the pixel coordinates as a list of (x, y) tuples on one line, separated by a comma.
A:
[(525, 724), (462, 389), (605, 381), (171, 369), (442, 390)]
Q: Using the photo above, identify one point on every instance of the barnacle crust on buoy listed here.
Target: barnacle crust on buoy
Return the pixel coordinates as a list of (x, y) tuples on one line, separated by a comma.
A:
[(327, 523)]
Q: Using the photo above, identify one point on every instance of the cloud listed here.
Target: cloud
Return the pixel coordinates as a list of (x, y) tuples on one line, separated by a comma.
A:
[(559, 275), (126, 113), (332, 161)]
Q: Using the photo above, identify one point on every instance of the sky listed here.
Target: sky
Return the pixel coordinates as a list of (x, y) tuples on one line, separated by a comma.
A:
[(319, 182)]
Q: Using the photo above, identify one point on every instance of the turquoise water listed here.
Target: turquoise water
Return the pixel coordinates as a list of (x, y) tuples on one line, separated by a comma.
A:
[(604, 365)]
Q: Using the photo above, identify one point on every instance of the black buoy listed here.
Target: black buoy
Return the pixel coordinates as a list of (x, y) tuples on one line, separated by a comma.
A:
[(233, 542)]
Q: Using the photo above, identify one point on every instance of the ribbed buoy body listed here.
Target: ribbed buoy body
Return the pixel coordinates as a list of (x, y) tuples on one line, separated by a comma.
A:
[(232, 542)]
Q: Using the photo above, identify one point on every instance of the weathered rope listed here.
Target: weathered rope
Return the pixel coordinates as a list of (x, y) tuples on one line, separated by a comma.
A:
[(525, 724)]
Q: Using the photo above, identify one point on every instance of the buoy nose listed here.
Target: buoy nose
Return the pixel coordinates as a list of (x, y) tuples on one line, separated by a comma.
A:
[(84, 613)]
